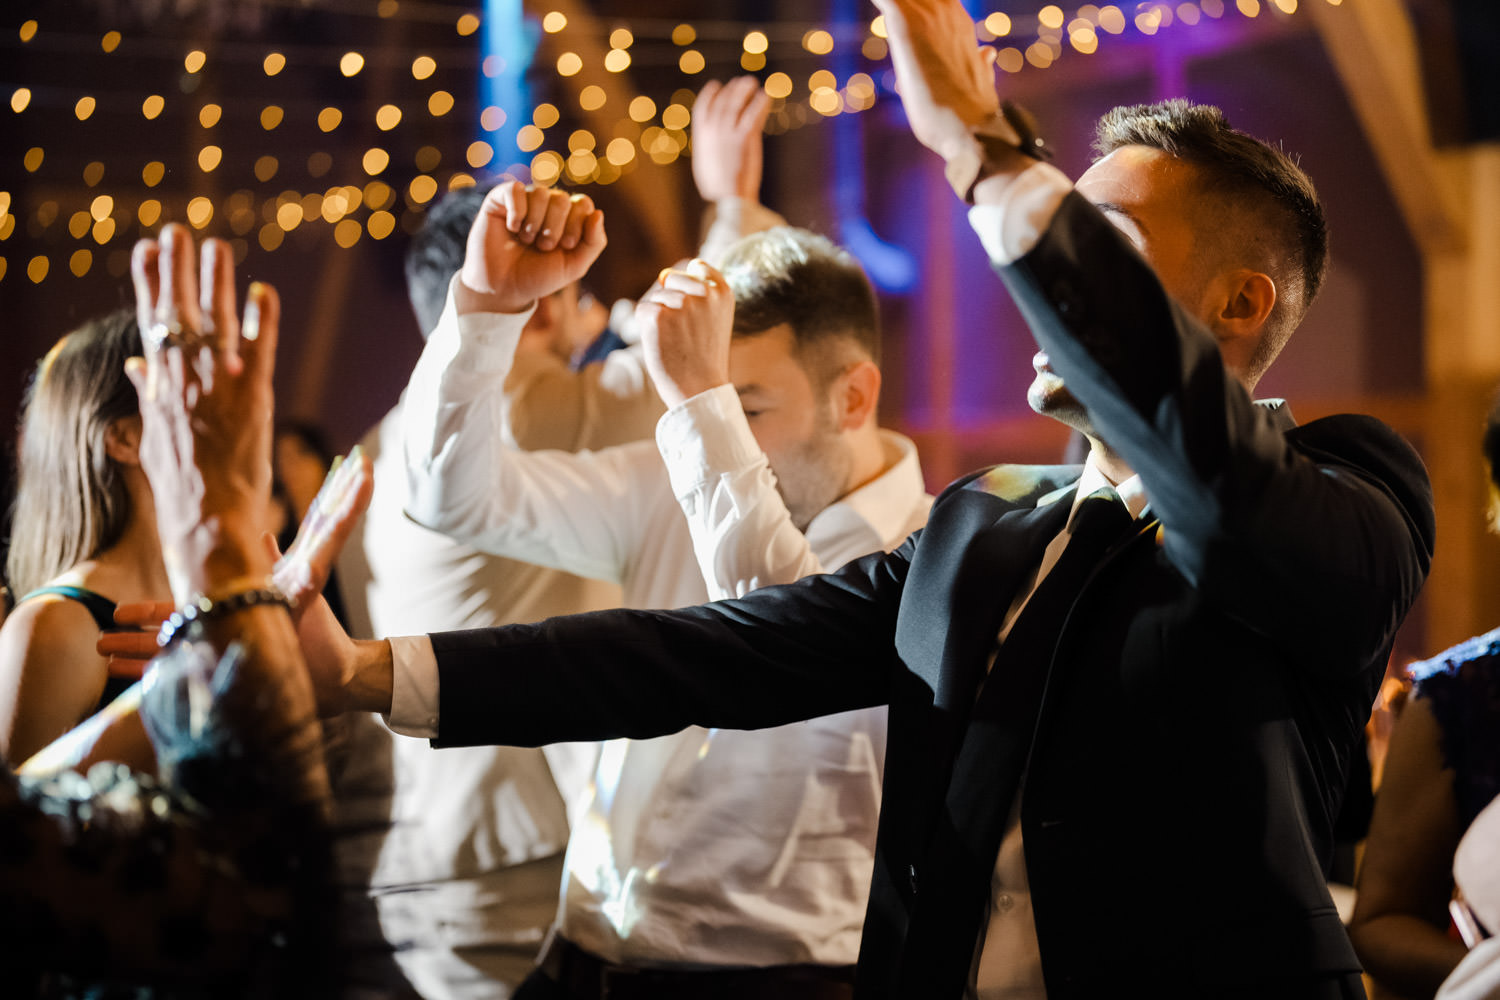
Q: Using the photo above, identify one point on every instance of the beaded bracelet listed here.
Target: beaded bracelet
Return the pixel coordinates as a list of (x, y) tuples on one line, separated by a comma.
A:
[(192, 617)]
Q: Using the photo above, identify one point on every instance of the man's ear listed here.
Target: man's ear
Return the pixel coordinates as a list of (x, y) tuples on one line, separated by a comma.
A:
[(122, 440), (857, 395), (1245, 302)]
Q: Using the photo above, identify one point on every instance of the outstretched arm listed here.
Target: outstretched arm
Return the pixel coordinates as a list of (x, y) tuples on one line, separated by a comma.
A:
[(728, 130)]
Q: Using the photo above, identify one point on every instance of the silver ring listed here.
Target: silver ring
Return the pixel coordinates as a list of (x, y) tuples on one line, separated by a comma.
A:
[(171, 333)]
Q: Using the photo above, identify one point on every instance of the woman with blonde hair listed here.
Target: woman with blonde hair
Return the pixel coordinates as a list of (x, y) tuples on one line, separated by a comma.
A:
[(83, 538)]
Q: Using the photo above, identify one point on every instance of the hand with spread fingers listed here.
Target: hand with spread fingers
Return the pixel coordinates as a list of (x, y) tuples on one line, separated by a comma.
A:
[(945, 78), (728, 120), (686, 322), (205, 396), (527, 242)]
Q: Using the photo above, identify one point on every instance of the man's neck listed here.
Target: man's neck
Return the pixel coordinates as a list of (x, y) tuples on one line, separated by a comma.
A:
[(870, 460), (1108, 462)]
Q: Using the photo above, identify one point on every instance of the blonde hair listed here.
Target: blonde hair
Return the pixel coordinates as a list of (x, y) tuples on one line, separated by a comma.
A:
[(71, 502)]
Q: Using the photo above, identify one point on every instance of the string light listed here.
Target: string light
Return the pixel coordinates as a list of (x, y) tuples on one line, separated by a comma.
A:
[(599, 156)]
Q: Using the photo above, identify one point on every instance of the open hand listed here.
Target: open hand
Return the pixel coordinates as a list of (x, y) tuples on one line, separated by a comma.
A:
[(686, 322), (204, 387), (945, 78), (728, 120), (527, 242)]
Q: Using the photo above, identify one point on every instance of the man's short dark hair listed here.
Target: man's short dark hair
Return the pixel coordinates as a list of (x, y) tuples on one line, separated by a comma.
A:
[(792, 276), (1247, 170), (437, 252)]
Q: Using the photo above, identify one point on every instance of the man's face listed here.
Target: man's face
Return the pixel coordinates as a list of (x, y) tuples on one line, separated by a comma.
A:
[(1148, 195), (792, 419)]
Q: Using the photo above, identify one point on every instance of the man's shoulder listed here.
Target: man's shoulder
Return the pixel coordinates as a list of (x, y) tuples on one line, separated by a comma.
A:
[(1013, 484)]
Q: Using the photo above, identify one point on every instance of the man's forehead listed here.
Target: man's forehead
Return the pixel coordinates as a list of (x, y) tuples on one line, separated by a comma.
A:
[(1134, 174)]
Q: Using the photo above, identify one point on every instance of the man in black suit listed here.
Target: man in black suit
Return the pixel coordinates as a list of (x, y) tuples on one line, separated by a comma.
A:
[(1100, 713)]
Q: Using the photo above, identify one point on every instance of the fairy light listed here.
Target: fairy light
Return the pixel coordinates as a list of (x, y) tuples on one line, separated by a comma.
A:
[(618, 61), (319, 163), (19, 99), (818, 42), (271, 116), (348, 232), (153, 172), (779, 86), (194, 60), (375, 160), (351, 63), (428, 158), (380, 224), (36, 269), (479, 154), (388, 117), (84, 108), (642, 109), (421, 189), (28, 31), (1050, 16), (491, 119), (1213, 8), (554, 21), (592, 98), (676, 116), (684, 34), (79, 224), (274, 63), (209, 158), (329, 119), (691, 62), (149, 212), (81, 261), (546, 115), (209, 115), (153, 106), (1112, 19), (266, 167), (422, 67), (568, 64), (33, 159), (467, 25)]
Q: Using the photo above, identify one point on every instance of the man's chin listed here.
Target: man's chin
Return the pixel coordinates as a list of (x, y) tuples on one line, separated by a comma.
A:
[(1050, 398)]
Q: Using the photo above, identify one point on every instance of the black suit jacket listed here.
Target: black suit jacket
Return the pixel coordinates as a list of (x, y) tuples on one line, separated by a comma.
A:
[(1183, 763)]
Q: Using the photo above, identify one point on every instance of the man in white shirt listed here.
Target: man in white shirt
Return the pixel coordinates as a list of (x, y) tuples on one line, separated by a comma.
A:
[(709, 860)]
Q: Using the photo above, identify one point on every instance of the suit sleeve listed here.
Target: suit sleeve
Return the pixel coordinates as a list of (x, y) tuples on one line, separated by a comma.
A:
[(822, 645), (1317, 539)]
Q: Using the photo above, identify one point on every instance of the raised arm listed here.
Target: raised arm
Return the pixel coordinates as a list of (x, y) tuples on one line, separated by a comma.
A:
[(743, 534), (1329, 527), (728, 127), (465, 478)]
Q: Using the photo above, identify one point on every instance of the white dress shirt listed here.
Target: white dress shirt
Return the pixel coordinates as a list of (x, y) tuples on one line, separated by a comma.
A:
[(710, 846)]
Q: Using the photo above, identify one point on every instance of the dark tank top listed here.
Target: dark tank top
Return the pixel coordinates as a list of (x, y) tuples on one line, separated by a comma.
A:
[(103, 611)]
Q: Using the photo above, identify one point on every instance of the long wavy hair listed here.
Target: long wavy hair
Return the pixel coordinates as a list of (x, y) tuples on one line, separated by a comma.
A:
[(71, 502)]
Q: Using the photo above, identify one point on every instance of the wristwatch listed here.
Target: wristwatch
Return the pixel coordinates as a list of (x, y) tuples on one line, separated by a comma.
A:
[(1012, 129)]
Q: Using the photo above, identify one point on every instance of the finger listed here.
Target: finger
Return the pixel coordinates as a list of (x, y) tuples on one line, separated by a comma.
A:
[(143, 262), (537, 202), (259, 333), (555, 221), (594, 239), (216, 297), (147, 613), (685, 282), (703, 107), (580, 207), (179, 283), (756, 111), (511, 196), (130, 647), (738, 94)]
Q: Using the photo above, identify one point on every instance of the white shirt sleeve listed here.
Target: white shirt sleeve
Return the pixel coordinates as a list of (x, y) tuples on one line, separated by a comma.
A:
[(743, 535), (575, 512), (414, 687), (1010, 227)]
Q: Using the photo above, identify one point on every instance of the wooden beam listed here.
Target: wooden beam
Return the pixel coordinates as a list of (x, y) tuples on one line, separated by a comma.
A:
[(1373, 48)]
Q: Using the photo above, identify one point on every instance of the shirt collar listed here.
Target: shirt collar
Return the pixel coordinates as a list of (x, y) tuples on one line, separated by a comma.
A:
[(886, 502), (1130, 492)]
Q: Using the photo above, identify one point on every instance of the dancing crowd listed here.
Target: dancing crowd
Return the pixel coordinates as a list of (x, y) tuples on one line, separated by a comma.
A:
[(628, 657)]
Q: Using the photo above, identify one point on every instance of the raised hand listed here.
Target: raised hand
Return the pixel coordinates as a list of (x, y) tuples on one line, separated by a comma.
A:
[(527, 242), (686, 322), (946, 80), (205, 397), (728, 120), (343, 497)]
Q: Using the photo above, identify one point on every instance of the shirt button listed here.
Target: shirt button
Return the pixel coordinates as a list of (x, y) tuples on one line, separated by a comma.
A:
[(1004, 902)]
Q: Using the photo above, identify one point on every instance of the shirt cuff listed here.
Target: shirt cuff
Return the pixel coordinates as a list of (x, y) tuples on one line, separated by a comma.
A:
[(414, 687), (1010, 227), (486, 335), (704, 437)]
